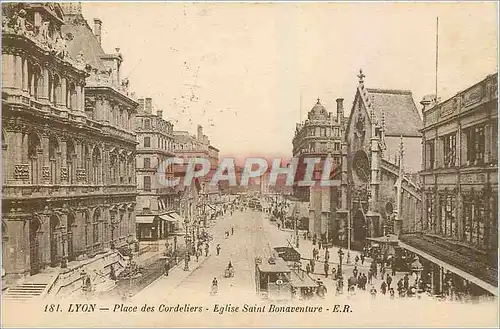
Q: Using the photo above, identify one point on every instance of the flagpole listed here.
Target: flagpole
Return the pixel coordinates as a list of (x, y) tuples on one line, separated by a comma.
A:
[(437, 57)]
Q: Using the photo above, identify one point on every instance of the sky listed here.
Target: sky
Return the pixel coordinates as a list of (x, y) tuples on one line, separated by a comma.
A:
[(249, 72)]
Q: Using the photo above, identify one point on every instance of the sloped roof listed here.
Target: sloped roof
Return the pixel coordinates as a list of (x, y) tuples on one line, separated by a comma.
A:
[(83, 39), (400, 112)]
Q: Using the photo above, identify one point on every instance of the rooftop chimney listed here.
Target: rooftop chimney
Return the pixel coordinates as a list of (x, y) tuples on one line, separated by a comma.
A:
[(140, 107), (148, 106), (340, 110), (200, 132), (159, 114), (97, 29)]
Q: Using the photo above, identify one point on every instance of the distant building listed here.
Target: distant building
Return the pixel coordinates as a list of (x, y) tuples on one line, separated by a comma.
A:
[(457, 238), (156, 203), (187, 147), (318, 137)]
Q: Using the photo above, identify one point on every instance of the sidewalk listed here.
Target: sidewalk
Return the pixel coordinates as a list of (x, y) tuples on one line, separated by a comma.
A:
[(176, 273)]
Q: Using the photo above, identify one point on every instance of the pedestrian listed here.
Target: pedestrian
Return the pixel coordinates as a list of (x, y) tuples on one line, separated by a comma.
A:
[(232, 230), (321, 290), (393, 267), (167, 267), (197, 254), (356, 260), (382, 270), (355, 271), (312, 266), (370, 276), (308, 268), (365, 280), (327, 255), (319, 244), (406, 282), (327, 269), (334, 273), (362, 258), (383, 287), (389, 281), (391, 293), (373, 292), (218, 249)]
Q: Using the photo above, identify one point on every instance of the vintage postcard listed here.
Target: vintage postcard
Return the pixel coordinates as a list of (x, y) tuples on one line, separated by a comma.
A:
[(249, 164)]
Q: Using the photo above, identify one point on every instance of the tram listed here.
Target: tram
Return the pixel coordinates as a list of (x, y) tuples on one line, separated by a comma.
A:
[(272, 279)]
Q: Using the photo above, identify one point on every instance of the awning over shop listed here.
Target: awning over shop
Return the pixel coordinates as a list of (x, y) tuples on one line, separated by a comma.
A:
[(389, 239), (167, 218), (485, 285), (147, 219), (176, 217)]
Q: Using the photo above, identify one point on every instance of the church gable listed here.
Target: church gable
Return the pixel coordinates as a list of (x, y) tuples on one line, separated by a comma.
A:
[(359, 126)]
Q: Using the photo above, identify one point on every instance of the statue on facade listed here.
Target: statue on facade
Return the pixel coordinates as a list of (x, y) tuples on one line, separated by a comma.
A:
[(60, 47), (19, 22), (124, 84), (43, 31)]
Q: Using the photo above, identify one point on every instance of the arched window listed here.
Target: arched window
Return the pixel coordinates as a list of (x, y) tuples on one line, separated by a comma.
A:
[(57, 97), (113, 167), (70, 160), (34, 145), (54, 159), (95, 226), (96, 166), (51, 88), (121, 168), (71, 96), (86, 163)]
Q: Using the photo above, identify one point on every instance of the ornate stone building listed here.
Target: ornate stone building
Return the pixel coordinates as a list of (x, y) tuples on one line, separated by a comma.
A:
[(68, 147), (154, 201), (459, 229), (379, 193), (318, 137)]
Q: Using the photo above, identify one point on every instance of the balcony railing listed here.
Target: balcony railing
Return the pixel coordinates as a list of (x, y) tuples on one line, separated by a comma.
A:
[(23, 191)]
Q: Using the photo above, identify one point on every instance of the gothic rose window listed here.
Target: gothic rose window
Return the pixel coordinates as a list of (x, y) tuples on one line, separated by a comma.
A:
[(362, 166)]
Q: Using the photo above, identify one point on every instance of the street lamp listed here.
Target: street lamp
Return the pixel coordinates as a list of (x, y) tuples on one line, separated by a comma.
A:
[(186, 258)]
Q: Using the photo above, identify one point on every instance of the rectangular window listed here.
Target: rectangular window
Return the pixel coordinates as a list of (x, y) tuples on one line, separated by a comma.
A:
[(448, 223), (147, 124), (147, 183), (337, 146), (474, 219), (450, 150), (430, 225), (147, 142), (147, 163), (475, 145), (430, 154)]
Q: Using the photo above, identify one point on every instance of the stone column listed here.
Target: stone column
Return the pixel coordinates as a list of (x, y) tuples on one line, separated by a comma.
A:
[(8, 72), (63, 163), (44, 88), (61, 99), (25, 77), (18, 72)]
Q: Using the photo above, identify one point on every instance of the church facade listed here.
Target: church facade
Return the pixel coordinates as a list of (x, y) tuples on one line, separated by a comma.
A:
[(380, 158)]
